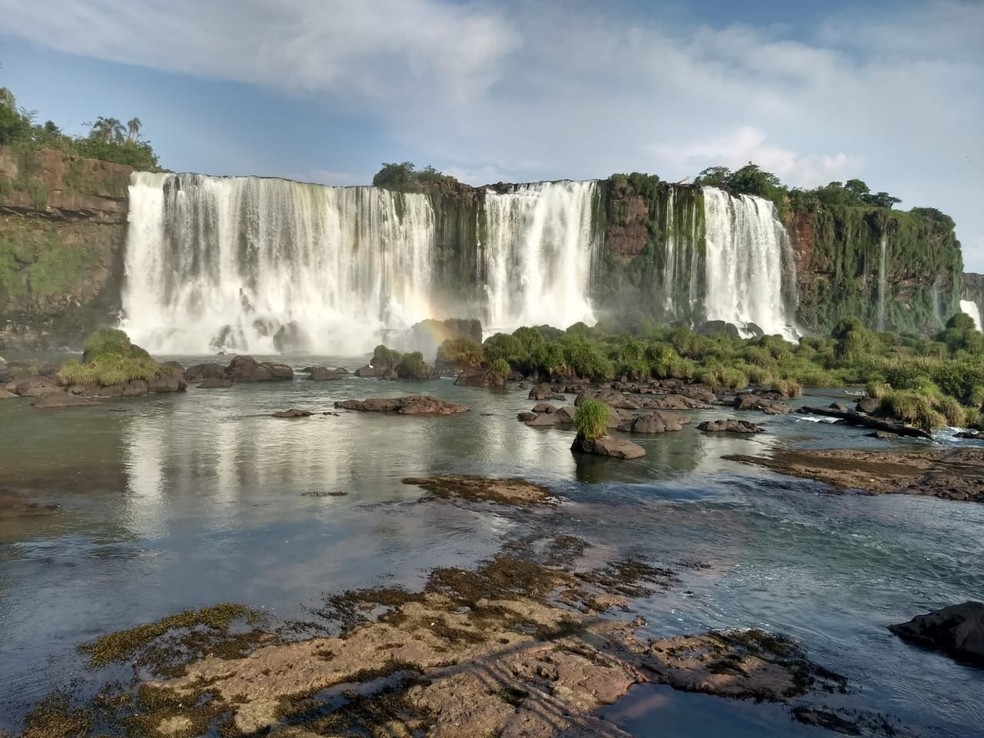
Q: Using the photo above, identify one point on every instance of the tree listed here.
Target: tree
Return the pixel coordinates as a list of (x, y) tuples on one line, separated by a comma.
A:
[(713, 177), (133, 127)]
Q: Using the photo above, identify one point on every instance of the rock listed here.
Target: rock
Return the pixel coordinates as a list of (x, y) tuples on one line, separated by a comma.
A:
[(5, 395), (868, 405), (167, 382), (754, 401), (215, 383), (292, 413), (200, 372), (390, 375), (565, 414), (409, 405), (957, 630), (322, 374), (59, 399), (729, 425), (478, 378), (175, 366), (655, 422), (341, 371), (32, 386), (524, 417), (608, 445), (543, 407), (135, 388), (839, 407), (484, 489), (541, 392), (248, 369), (884, 435), (972, 435)]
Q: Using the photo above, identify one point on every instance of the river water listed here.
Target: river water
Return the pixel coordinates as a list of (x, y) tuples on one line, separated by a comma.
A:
[(172, 502)]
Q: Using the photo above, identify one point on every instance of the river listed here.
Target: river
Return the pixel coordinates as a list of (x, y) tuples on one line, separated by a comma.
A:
[(172, 502)]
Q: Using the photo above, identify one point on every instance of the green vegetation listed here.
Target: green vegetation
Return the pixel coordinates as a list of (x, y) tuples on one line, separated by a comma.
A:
[(108, 138), (110, 359), (591, 418), (412, 366), (406, 177)]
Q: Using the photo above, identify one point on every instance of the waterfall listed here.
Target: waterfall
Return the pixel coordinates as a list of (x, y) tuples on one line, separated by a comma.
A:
[(882, 281), (747, 260), (971, 308), (267, 265), (536, 255)]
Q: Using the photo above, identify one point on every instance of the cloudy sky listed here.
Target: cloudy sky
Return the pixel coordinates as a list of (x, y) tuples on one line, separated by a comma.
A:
[(889, 91)]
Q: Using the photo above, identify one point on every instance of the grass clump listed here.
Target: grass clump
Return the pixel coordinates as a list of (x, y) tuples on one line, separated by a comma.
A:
[(110, 359), (591, 418), (787, 387)]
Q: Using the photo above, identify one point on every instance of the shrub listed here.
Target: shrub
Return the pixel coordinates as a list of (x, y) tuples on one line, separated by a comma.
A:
[(591, 418), (462, 353), (500, 368), (913, 408), (108, 369), (788, 387), (412, 366), (110, 341), (385, 358)]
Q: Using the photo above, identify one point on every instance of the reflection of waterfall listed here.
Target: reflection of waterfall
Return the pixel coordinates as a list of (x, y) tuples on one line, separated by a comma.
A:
[(537, 255), (747, 263), (144, 453), (267, 265), (882, 281), (971, 308)]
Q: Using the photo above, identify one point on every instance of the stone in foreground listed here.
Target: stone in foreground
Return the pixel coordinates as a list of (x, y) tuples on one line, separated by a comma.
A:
[(409, 405), (957, 630), (608, 445), (292, 413)]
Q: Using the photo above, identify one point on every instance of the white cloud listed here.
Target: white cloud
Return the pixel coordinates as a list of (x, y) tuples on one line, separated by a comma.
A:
[(494, 91)]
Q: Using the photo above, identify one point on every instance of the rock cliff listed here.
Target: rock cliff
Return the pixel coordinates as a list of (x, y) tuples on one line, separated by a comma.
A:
[(62, 232)]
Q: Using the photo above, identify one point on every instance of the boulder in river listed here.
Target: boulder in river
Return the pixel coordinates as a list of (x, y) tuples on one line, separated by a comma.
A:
[(60, 399), (654, 422), (292, 413), (248, 369), (215, 383), (201, 372), (608, 445), (322, 374), (769, 406), (957, 630), (409, 405), (729, 425)]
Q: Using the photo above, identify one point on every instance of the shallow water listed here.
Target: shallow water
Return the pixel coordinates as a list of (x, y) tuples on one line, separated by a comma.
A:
[(182, 501)]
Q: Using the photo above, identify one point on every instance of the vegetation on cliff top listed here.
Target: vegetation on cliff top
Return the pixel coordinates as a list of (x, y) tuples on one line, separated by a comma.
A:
[(108, 139)]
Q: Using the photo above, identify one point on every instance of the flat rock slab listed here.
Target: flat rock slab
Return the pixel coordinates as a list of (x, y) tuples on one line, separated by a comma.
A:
[(951, 475), (484, 489), (293, 413), (957, 630), (608, 445), (729, 425), (654, 422), (751, 401), (5, 395), (409, 405)]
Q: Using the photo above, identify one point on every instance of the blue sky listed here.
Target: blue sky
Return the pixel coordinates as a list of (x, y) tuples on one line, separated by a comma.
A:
[(327, 90)]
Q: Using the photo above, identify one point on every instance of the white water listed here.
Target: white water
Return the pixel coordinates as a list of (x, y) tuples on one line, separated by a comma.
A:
[(744, 263), (970, 308), (882, 283), (537, 255), (265, 265), (268, 266)]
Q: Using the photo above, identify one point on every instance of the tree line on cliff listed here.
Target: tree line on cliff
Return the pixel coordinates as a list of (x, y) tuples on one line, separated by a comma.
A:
[(108, 139)]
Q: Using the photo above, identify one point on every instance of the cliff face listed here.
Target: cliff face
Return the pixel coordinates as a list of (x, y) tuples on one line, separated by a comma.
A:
[(973, 290), (900, 271), (62, 233)]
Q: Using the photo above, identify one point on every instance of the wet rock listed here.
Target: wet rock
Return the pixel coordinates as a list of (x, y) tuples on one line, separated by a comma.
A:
[(215, 383), (322, 374), (292, 413), (541, 392), (390, 375), (523, 417), (484, 489), (478, 378), (33, 386), (957, 630), (409, 405), (248, 369), (543, 407), (167, 382), (60, 399), (970, 435), (754, 401), (655, 422), (368, 371), (868, 405), (839, 407), (608, 445), (5, 395), (729, 425), (201, 372)]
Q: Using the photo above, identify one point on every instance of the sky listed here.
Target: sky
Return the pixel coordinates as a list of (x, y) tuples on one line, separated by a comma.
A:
[(887, 91)]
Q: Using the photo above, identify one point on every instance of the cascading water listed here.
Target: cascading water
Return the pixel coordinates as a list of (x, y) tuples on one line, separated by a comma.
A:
[(882, 282), (971, 308), (268, 265), (537, 255), (746, 263)]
